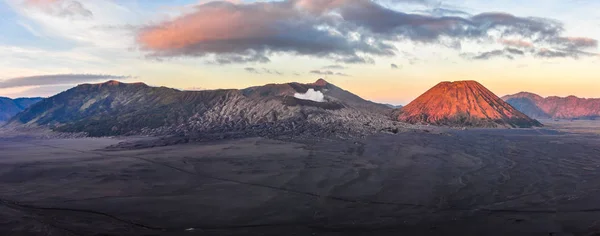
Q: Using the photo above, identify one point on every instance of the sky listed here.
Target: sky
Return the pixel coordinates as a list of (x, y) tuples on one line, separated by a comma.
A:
[(388, 51)]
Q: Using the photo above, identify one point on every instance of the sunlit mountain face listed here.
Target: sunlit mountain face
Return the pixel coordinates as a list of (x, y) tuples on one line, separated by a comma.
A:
[(463, 103), (388, 51)]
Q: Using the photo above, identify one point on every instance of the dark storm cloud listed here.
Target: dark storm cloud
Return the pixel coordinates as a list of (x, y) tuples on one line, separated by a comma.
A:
[(344, 31), (55, 79)]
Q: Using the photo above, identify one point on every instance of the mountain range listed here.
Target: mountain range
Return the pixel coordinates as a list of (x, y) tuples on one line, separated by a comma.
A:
[(10, 107), (463, 103), (318, 108), (570, 107), (115, 108)]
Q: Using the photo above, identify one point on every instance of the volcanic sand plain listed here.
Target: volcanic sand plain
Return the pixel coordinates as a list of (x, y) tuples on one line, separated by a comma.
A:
[(542, 181)]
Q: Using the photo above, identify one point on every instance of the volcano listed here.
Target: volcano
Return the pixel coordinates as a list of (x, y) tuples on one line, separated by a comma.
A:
[(463, 103), (115, 108)]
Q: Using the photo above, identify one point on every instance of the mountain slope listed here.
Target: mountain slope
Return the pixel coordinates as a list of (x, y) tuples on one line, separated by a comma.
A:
[(570, 107), (10, 107), (463, 103), (115, 108)]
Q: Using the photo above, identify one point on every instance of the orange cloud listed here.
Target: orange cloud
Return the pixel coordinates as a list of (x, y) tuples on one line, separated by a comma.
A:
[(238, 33), (215, 22)]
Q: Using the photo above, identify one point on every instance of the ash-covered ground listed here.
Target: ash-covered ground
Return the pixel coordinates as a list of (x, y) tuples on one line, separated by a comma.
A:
[(441, 182)]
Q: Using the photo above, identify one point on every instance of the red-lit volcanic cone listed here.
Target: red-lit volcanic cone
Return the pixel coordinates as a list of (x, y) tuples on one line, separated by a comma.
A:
[(463, 103)]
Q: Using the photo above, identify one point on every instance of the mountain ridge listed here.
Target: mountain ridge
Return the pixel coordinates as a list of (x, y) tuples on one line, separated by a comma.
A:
[(556, 107), (10, 107), (115, 108)]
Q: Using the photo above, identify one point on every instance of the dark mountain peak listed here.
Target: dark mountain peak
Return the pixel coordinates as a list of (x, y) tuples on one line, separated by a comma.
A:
[(320, 82), (114, 83), (463, 103), (111, 85)]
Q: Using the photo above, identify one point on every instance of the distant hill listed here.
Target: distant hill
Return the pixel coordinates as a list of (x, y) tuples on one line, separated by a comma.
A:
[(115, 108), (463, 103), (10, 107), (393, 106), (570, 107)]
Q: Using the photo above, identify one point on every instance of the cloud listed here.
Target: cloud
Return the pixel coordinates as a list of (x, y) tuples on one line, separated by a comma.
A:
[(328, 72), (564, 53), (257, 29), (263, 71), (394, 66), (516, 43), (440, 12), (251, 70), (63, 8), (311, 95), (319, 72), (344, 31), (577, 42), (508, 53), (40, 80), (334, 67), (251, 56), (273, 72), (544, 52)]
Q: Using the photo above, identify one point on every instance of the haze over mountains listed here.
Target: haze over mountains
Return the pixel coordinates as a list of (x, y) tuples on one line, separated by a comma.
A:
[(10, 107), (570, 107), (463, 103)]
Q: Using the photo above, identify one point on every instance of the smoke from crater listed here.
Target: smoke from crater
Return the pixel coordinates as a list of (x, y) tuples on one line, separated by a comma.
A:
[(311, 94)]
